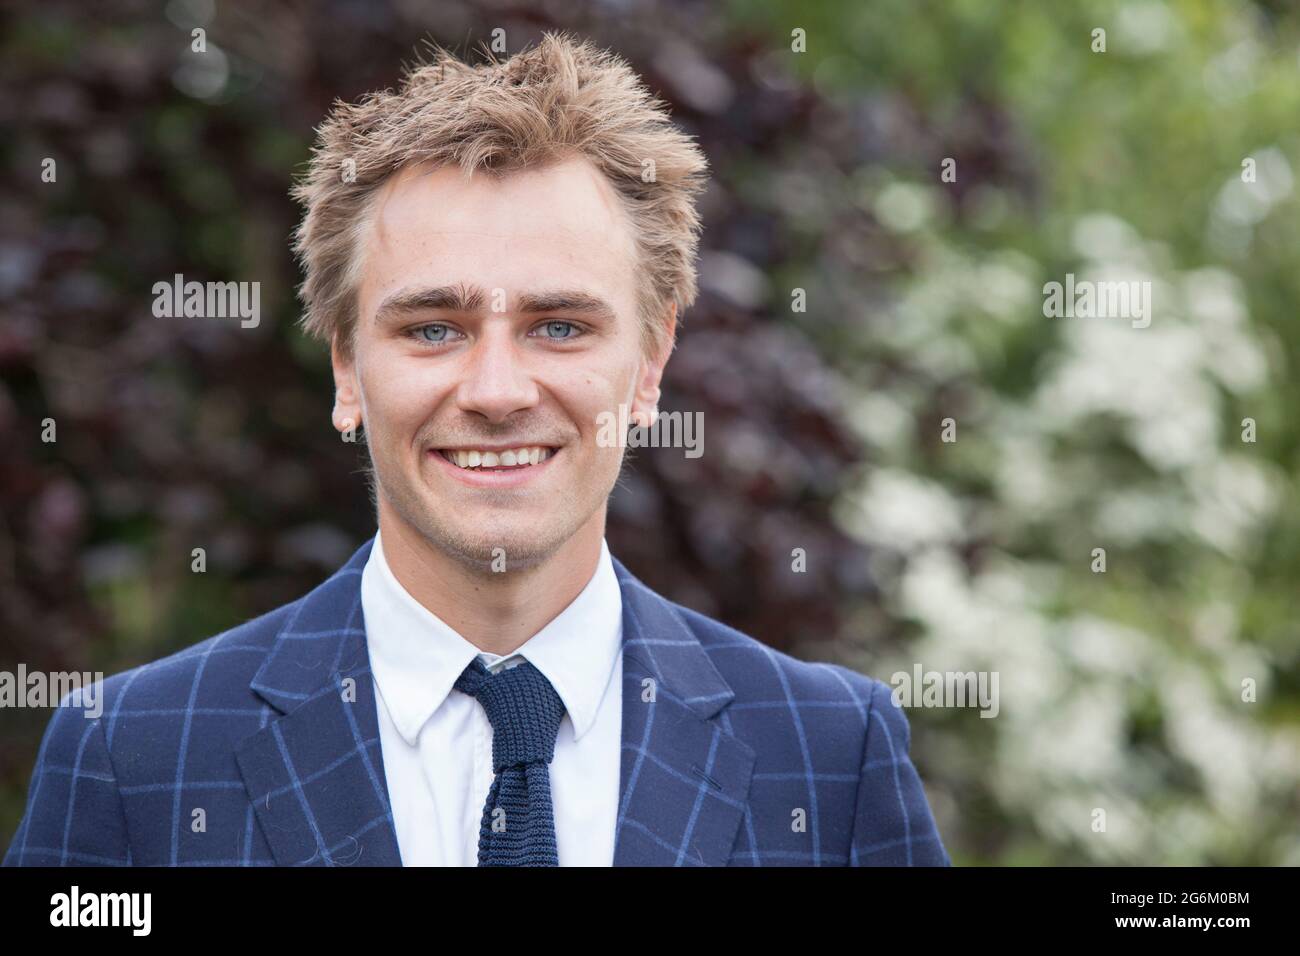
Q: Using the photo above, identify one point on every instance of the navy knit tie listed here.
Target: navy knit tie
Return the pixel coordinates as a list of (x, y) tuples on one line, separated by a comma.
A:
[(518, 826)]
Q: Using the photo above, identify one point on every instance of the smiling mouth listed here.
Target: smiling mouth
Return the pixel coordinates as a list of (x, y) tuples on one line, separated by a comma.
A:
[(506, 459)]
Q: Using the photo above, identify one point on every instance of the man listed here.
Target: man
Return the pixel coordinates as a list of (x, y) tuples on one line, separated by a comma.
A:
[(497, 256)]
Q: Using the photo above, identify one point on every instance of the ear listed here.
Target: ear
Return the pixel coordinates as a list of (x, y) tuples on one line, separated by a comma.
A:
[(645, 400), (347, 393)]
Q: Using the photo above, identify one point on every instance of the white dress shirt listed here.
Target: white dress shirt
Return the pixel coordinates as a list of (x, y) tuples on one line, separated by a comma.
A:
[(437, 741)]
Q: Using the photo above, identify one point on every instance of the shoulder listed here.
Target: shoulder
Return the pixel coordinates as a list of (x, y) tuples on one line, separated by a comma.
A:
[(751, 664), (828, 734), (222, 666), (195, 703), (768, 680)]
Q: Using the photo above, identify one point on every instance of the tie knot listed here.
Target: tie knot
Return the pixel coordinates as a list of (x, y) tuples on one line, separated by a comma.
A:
[(522, 707)]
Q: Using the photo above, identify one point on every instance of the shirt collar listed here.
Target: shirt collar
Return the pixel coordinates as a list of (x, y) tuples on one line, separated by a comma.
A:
[(416, 657)]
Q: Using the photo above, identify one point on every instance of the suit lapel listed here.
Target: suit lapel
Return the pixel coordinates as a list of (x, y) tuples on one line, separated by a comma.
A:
[(684, 781), (315, 775)]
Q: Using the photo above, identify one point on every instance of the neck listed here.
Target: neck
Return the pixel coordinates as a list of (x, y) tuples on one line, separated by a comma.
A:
[(496, 612)]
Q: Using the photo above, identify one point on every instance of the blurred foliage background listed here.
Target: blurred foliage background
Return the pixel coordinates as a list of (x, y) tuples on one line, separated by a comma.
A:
[(1121, 690)]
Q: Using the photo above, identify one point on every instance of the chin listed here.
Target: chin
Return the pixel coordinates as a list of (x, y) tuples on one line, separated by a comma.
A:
[(475, 545)]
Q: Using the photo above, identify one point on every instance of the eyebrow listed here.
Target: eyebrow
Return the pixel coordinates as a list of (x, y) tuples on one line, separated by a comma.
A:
[(451, 298), (563, 301), (462, 298)]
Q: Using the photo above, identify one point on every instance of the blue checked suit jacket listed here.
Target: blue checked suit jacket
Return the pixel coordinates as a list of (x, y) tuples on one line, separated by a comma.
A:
[(733, 753)]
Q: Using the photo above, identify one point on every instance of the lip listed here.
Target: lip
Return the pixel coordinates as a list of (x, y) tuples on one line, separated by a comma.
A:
[(478, 446), (510, 478)]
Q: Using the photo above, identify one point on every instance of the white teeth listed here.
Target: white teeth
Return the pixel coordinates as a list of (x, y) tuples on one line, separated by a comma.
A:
[(469, 458)]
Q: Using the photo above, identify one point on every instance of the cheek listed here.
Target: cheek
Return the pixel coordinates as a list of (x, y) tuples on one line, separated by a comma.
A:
[(399, 396), (602, 385), (592, 397)]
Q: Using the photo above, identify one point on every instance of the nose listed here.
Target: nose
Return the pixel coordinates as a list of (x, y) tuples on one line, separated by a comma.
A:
[(496, 381)]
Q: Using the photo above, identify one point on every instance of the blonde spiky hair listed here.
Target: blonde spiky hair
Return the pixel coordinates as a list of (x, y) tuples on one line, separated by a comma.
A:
[(557, 99)]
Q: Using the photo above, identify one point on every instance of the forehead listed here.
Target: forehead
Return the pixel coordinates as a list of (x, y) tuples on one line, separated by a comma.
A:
[(557, 226)]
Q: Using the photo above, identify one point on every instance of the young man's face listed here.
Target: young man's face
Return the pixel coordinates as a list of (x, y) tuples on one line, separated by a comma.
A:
[(495, 315)]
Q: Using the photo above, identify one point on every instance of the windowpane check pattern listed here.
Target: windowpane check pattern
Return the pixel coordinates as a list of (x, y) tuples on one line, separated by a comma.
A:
[(259, 747)]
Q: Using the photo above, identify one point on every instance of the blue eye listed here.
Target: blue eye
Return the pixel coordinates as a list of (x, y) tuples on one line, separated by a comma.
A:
[(432, 333), (567, 330)]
